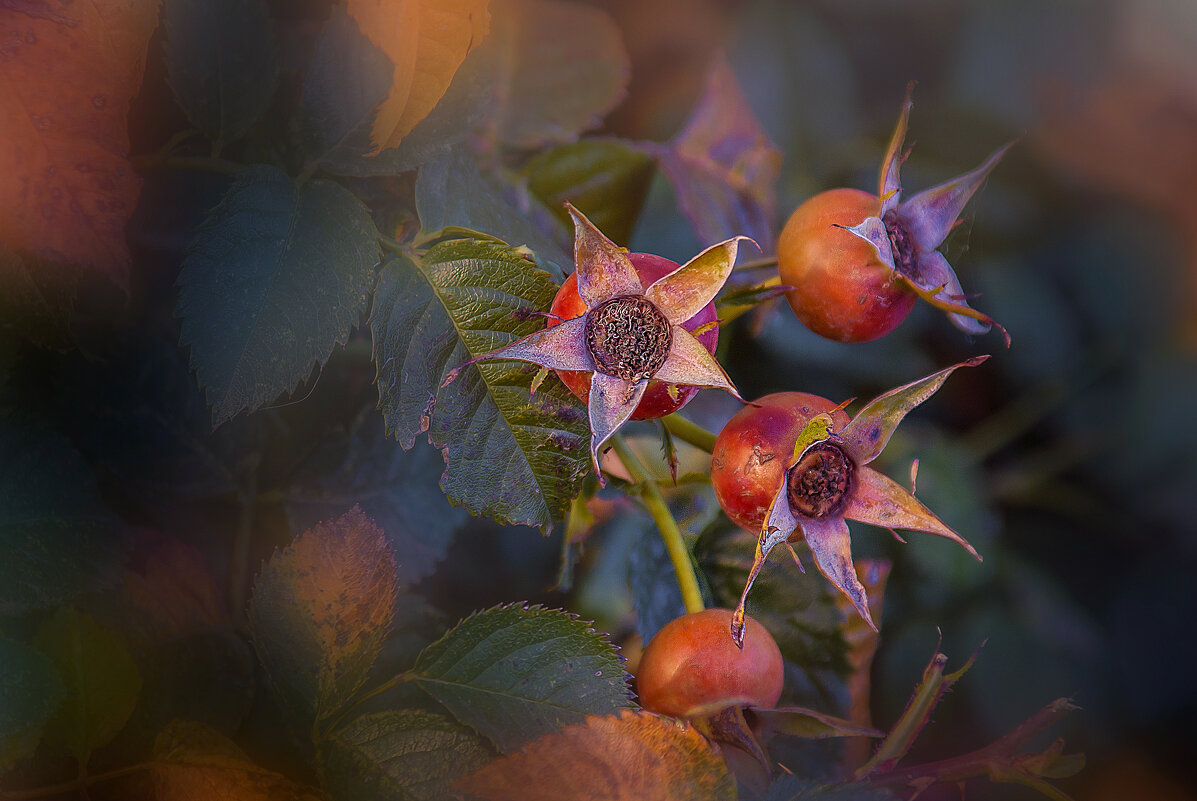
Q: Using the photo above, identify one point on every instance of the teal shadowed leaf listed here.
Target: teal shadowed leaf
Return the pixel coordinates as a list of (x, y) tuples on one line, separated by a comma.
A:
[(407, 754), (347, 80), (222, 63), (464, 107), (515, 672), (451, 192), (563, 67), (29, 696), (396, 488), (274, 278), (513, 455)]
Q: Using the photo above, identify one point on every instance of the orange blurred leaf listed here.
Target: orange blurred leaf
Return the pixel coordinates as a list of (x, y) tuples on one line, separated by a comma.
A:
[(321, 609), (426, 40), (629, 757), (195, 763), (68, 73)]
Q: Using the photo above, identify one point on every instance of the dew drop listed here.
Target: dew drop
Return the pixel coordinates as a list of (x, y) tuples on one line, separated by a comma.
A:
[(99, 101), (30, 36)]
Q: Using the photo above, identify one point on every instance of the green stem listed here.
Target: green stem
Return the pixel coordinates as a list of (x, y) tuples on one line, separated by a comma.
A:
[(690, 432), (201, 163), (755, 264), (679, 554), (395, 246), (76, 784)]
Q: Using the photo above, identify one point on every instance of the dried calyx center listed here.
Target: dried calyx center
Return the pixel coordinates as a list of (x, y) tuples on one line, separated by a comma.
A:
[(820, 480), (901, 244), (628, 337)]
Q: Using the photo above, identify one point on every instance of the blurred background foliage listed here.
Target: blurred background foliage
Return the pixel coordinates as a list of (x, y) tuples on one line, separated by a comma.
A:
[(1068, 460)]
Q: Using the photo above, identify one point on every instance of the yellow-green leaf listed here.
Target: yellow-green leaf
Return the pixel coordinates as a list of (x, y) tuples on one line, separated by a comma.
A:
[(101, 680)]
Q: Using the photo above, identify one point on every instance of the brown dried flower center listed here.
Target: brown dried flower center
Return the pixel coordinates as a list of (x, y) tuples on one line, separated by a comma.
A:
[(819, 481), (901, 244), (628, 337)]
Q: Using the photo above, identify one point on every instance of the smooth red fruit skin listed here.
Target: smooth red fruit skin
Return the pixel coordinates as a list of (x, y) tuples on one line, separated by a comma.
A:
[(842, 291), (693, 662), (749, 460), (656, 402)]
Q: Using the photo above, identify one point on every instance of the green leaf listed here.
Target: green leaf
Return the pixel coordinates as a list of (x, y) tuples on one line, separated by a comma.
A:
[(221, 62), (101, 680), (517, 457), (400, 755), (514, 673), (450, 191), (29, 695), (346, 81), (605, 179), (463, 107), (320, 611), (563, 66), (396, 489), (274, 279), (58, 538), (791, 788)]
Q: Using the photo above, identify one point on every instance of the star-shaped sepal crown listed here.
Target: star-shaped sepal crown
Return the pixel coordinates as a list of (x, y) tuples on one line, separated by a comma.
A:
[(629, 334), (907, 233), (828, 481)]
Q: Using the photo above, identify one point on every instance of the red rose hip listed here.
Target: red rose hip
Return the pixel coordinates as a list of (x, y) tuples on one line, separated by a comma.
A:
[(692, 667)]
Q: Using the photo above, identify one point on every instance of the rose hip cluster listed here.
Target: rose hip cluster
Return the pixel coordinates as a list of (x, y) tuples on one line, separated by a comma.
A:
[(634, 335)]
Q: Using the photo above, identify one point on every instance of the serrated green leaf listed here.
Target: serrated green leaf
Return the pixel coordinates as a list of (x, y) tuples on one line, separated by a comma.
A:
[(450, 191), (347, 79), (514, 673), (395, 488), (605, 179), (101, 680), (562, 67), (517, 457), (399, 755), (58, 538), (320, 611), (29, 695), (221, 62), (273, 280)]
